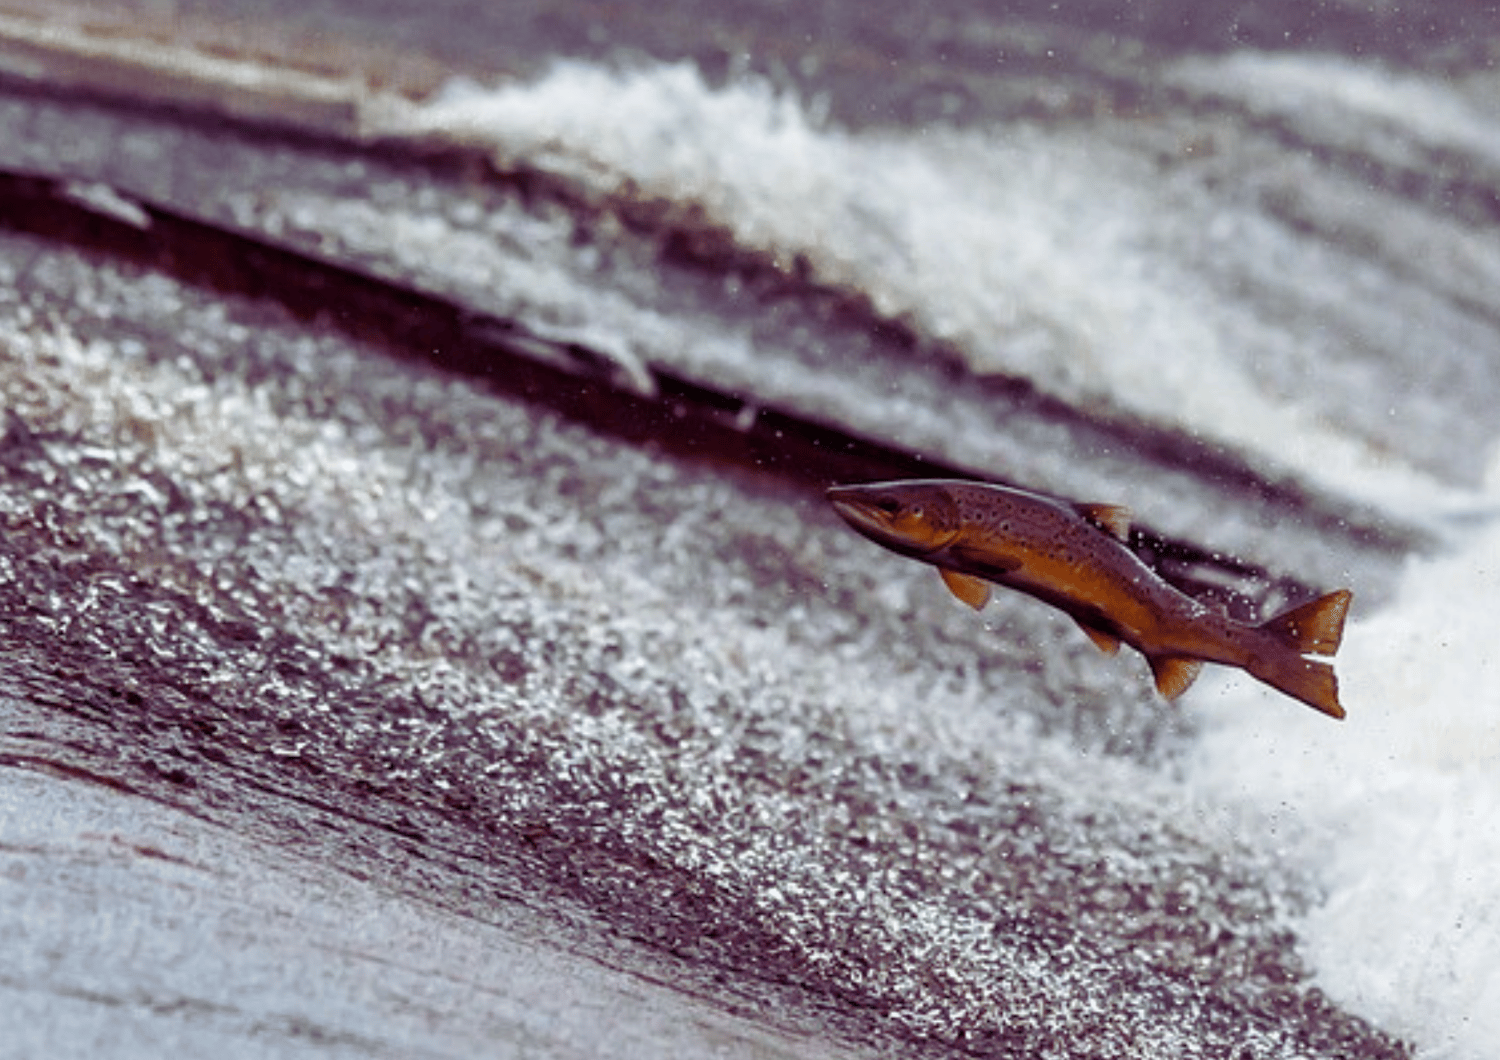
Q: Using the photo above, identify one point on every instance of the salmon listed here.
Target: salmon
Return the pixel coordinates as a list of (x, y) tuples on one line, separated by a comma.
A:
[(1073, 556)]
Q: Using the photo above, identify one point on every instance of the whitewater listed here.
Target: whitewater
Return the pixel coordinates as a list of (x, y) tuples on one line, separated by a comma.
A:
[(1398, 811), (1062, 254), (1053, 254)]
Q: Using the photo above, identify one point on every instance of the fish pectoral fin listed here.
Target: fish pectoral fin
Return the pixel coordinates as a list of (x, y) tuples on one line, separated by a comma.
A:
[(1108, 643), (995, 567), (1113, 519), (1174, 673), (971, 590)]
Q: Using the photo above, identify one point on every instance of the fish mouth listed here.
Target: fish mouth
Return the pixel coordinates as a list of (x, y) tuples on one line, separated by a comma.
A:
[(857, 507), (860, 515)]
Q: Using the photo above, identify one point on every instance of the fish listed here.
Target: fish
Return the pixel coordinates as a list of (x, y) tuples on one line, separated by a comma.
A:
[(1075, 557)]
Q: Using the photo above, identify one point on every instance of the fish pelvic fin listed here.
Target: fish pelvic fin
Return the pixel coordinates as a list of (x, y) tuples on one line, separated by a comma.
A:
[(1313, 628), (1113, 519), (1308, 680), (1174, 673), (971, 590)]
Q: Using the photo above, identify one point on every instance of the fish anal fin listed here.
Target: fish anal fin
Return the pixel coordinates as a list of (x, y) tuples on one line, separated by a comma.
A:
[(1113, 519), (1315, 627), (1174, 673), (971, 590), (1108, 643)]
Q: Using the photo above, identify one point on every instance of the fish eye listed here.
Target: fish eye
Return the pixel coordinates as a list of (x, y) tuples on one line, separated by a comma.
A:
[(889, 505)]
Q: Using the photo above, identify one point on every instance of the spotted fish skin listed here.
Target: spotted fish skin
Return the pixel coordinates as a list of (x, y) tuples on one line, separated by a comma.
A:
[(1074, 558)]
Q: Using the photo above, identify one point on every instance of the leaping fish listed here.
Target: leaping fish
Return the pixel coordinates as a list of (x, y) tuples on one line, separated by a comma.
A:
[(1074, 558)]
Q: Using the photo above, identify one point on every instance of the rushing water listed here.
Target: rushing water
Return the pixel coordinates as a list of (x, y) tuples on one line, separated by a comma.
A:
[(1249, 293), (1277, 263)]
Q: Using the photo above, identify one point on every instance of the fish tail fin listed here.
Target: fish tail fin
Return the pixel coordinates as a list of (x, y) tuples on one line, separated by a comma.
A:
[(1314, 683), (1313, 628)]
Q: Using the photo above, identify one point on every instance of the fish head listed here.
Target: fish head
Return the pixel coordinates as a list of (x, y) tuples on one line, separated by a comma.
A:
[(912, 518)]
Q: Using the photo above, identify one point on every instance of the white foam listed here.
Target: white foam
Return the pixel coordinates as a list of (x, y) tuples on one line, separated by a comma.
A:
[(1397, 809), (1357, 104), (1039, 252)]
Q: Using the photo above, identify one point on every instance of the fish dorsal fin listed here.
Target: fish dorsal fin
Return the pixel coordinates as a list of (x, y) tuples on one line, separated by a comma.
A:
[(971, 590), (1108, 643), (1113, 519), (1315, 627), (1174, 673)]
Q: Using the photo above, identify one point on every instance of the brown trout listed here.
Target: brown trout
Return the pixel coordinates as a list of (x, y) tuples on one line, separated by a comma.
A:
[(1074, 558)]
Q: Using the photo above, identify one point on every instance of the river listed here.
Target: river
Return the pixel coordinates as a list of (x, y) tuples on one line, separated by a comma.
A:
[(660, 703)]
